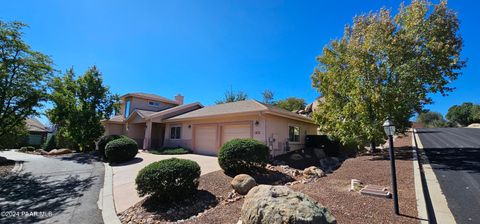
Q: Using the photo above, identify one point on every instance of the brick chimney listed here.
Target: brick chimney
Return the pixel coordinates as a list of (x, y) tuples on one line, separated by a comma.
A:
[(179, 99)]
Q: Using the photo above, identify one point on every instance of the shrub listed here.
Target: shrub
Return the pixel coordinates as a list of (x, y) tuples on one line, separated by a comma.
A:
[(170, 151), (121, 150), (169, 179), (243, 156), (104, 140), (27, 149), (50, 144)]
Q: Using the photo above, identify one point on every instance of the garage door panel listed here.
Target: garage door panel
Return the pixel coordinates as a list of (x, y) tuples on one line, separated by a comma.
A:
[(206, 139), (230, 132)]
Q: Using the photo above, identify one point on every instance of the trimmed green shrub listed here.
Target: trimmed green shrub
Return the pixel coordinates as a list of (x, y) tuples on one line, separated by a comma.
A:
[(170, 151), (169, 179), (104, 140), (121, 150), (50, 144), (243, 156)]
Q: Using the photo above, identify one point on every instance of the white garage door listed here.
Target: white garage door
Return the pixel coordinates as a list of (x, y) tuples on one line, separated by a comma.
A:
[(230, 132), (206, 140)]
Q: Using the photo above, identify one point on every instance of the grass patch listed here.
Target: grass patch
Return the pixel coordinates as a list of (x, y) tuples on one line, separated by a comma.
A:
[(170, 151)]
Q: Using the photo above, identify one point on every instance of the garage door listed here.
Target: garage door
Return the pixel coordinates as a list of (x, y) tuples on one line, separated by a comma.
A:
[(205, 140), (230, 132)]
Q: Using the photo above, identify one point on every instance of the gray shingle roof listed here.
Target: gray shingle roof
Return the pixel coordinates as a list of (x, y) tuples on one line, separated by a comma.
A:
[(150, 96), (34, 125)]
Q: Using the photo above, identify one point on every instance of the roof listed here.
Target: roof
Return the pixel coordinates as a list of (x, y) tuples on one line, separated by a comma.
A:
[(147, 114), (246, 106), (149, 96), (34, 125)]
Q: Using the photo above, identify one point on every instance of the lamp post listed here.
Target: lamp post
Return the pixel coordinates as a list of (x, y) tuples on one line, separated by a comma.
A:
[(389, 128)]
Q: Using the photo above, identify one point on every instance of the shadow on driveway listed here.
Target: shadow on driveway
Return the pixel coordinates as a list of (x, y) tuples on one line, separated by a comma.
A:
[(466, 159), (81, 158), (27, 193)]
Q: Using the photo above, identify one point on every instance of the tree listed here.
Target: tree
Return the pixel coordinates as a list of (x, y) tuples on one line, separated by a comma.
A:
[(23, 74), (231, 96), (291, 104), (79, 105), (464, 114), (268, 97), (431, 119), (386, 67)]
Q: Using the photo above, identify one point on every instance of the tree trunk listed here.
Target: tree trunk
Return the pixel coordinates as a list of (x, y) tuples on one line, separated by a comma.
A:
[(373, 147)]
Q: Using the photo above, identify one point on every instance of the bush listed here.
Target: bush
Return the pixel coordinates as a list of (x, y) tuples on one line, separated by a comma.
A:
[(121, 150), (243, 156), (104, 140), (27, 149), (50, 144), (170, 151), (169, 179)]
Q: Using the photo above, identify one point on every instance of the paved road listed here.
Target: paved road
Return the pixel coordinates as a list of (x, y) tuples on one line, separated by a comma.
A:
[(61, 190), (454, 155)]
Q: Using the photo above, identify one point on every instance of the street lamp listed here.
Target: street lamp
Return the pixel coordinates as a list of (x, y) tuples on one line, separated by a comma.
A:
[(389, 128)]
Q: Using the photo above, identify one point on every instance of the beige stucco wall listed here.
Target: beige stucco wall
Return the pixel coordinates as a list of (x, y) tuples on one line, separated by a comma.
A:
[(136, 132), (142, 104), (114, 129), (269, 126)]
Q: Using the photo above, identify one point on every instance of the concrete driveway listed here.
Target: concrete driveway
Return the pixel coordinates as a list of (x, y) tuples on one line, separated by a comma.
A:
[(454, 155), (63, 189), (124, 192)]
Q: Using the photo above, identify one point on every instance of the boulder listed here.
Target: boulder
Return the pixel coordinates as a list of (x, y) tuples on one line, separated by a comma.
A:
[(296, 157), (266, 204), (59, 152), (319, 153), (242, 183), (329, 163), (313, 171)]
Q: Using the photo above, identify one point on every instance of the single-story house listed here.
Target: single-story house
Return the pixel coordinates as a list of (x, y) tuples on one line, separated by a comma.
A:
[(205, 129), (37, 132)]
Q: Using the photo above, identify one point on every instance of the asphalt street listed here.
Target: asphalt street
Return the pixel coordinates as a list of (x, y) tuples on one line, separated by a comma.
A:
[(62, 189), (454, 154)]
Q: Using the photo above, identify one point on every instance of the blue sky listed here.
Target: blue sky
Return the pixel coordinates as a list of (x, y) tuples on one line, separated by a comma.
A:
[(202, 48)]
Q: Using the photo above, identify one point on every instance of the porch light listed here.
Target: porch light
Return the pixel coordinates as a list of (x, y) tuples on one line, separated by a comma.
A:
[(256, 123)]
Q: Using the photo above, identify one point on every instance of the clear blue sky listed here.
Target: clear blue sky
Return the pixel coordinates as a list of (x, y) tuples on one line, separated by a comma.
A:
[(202, 48)]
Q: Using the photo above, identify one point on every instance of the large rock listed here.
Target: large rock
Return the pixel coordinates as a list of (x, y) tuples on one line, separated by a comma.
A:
[(313, 171), (59, 151), (267, 204), (329, 163), (242, 183), (319, 153)]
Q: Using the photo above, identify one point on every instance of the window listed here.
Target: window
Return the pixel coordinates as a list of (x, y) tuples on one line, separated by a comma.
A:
[(293, 134), (175, 132), (154, 104), (127, 108)]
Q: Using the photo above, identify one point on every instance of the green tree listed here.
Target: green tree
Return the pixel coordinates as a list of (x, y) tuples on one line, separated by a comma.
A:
[(23, 74), (231, 96), (464, 114), (431, 119), (291, 104), (386, 66), (79, 105), (268, 97)]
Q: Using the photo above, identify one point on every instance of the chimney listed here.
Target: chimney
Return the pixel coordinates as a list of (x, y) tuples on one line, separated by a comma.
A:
[(179, 99)]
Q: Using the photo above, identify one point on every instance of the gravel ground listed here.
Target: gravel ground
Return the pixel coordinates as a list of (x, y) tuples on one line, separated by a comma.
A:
[(6, 166), (331, 191)]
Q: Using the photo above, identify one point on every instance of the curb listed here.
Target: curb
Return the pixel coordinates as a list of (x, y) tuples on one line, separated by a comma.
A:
[(109, 214), (18, 167), (438, 201), (419, 192)]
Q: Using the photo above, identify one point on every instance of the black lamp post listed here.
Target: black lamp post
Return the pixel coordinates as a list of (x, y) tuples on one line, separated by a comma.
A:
[(389, 128)]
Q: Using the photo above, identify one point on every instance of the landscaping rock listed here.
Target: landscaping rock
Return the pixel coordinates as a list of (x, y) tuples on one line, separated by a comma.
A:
[(313, 171), (56, 152), (267, 204), (329, 164), (319, 153), (296, 157), (242, 183)]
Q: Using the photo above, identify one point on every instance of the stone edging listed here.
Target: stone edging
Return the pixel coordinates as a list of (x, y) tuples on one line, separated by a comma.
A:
[(106, 202), (438, 200)]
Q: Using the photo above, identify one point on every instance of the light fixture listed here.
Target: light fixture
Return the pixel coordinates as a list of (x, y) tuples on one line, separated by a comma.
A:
[(189, 126), (389, 127), (256, 123)]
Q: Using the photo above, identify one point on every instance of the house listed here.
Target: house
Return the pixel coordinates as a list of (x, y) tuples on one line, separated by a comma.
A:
[(37, 132), (205, 129)]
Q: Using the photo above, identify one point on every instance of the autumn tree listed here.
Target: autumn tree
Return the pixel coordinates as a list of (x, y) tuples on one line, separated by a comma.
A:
[(78, 106), (23, 74), (386, 66)]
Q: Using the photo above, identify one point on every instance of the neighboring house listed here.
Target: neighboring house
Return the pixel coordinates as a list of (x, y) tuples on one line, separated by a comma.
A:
[(37, 132), (205, 129)]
